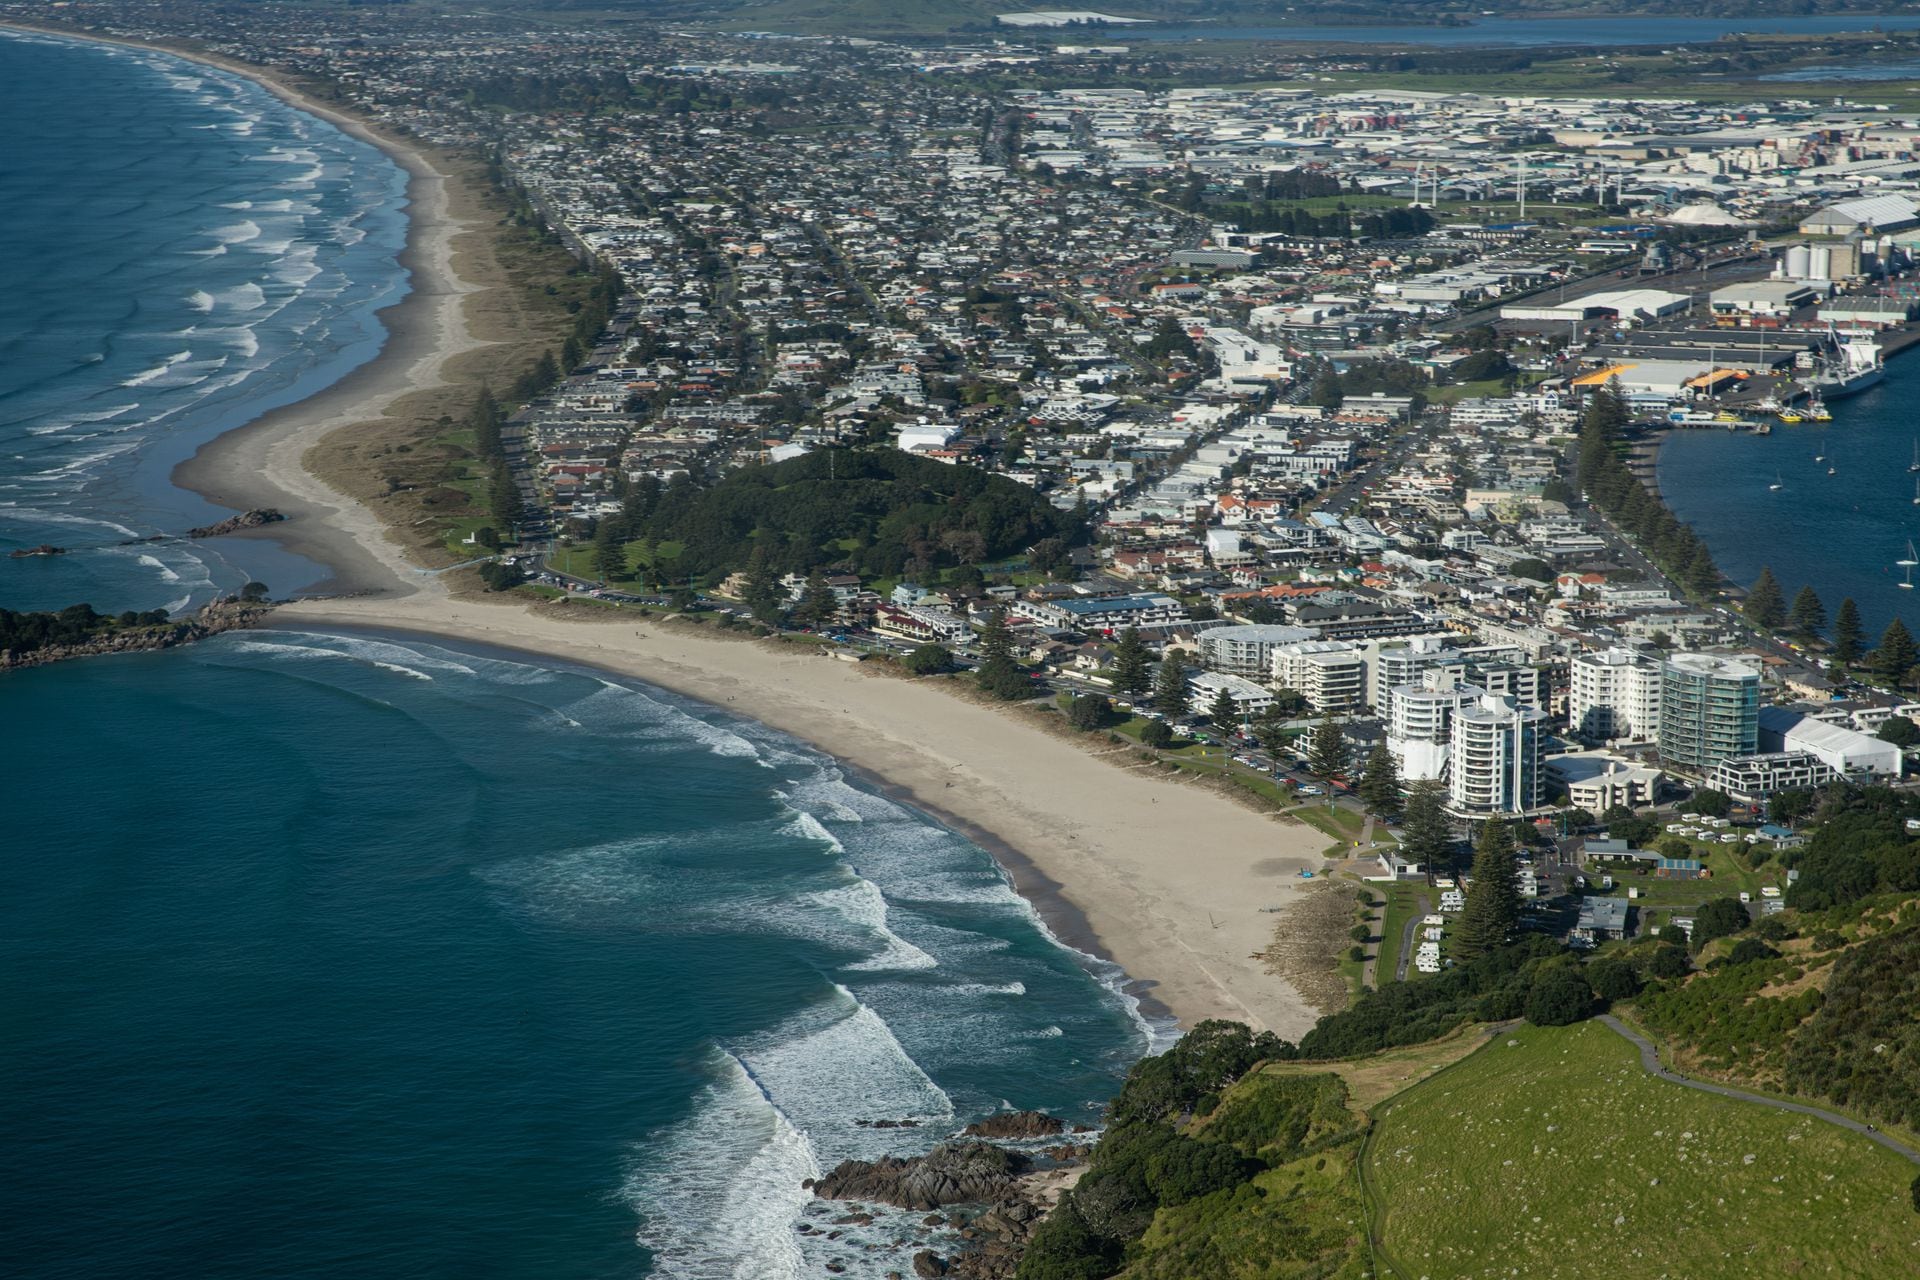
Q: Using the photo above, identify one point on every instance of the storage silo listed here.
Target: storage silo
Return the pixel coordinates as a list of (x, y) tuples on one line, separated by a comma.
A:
[(1821, 265), (1799, 258)]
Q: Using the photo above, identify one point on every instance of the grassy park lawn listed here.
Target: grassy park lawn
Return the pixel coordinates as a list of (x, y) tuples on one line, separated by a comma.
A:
[(1551, 1154), (1402, 902)]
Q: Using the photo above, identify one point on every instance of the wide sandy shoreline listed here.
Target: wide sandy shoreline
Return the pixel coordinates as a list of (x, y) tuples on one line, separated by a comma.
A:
[(1167, 880)]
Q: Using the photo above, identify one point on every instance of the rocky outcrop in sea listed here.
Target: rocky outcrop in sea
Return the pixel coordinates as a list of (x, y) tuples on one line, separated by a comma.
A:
[(976, 1193), (221, 615)]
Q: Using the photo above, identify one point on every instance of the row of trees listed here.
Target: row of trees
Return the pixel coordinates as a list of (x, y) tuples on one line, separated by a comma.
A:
[(1613, 488), (1894, 658)]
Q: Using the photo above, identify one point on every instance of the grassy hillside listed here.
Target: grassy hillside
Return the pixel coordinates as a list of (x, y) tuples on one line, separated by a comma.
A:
[(1551, 1153), (1823, 1010)]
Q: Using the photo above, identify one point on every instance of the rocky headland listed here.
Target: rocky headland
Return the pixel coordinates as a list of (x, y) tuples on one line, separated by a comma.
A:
[(109, 636)]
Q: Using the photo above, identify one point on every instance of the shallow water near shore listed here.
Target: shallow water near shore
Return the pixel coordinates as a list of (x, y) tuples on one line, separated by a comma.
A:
[(339, 955), (184, 252)]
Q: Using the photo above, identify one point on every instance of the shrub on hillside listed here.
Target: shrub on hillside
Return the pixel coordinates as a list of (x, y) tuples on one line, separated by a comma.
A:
[(1559, 996), (1669, 962), (1613, 979)]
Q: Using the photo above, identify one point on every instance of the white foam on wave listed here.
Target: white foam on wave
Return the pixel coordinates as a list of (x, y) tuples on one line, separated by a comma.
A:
[(719, 1197), (244, 341), (862, 904), (834, 1065), (77, 466), (912, 861), (805, 826), (240, 206), (160, 370), (68, 517), (200, 300), (71, 420), (286, 155), (297, 266), (215, 252), (625, 711), (237, 233), (166, 574), (243, 297), (364, 650), (307, 652), (187, 373)]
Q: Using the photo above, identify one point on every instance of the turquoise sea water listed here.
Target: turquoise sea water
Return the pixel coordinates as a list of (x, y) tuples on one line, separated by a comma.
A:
[(1839, 533), (333, 955), (182, 252)]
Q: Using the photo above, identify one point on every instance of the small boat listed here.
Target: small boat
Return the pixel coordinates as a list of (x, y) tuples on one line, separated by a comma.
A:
[(1916, 491), (1832, 472), (1913, 558), (1780, 483), (1818, 412), (1791, 416), (1915, 464), (1726, 415)]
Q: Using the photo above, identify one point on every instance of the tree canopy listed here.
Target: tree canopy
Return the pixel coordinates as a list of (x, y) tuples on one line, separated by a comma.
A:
[(880, 511), (1493, 899)]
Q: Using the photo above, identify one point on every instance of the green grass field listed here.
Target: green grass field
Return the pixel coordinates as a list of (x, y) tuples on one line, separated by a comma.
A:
[(1551, 1155), (1403, 900)]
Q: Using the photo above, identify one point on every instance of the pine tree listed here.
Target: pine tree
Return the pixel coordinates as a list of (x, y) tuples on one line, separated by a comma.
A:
[(1493, 899), (1131, 673), (503, 497), (1701, 574), (1426, 834), (1270, 730), (1170, 688), (1808, 614), (1896, 654), (1327, 751), (1766, 603), (485, 420), (998, 673), (762, 593), (818, 605), (1225, 712), (1380, 782), (1849, 635), (609, 552)]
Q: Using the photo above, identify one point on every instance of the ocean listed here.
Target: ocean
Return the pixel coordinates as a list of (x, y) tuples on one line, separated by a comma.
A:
[(183, 252), (348, 955), (1840, 534)]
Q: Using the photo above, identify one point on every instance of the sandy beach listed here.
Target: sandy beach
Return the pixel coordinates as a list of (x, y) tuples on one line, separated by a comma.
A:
[(1166, 879)]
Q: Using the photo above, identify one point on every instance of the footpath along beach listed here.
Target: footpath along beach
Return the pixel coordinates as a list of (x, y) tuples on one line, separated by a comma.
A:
[(1167, 880)]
